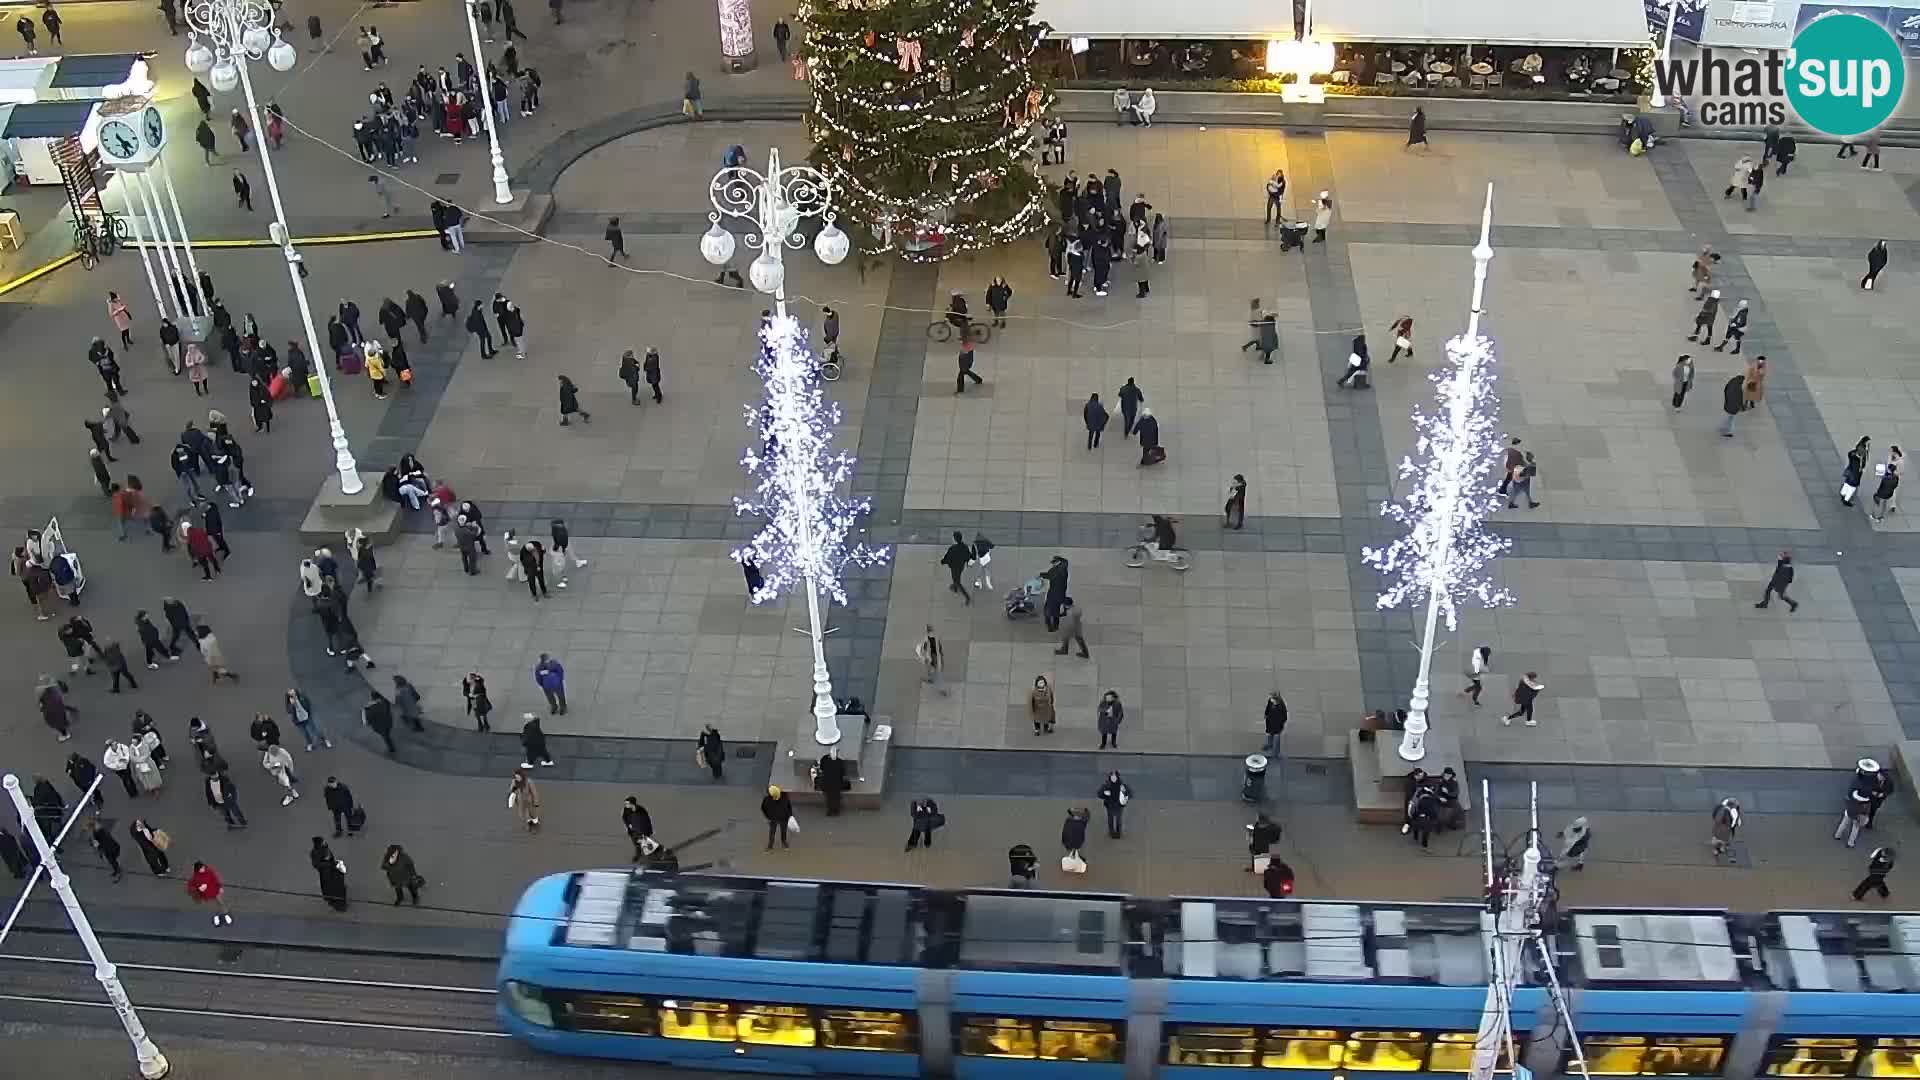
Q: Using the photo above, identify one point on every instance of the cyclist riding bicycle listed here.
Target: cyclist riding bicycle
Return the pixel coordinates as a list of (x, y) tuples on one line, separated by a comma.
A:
[(957, 312), (1163, 536)]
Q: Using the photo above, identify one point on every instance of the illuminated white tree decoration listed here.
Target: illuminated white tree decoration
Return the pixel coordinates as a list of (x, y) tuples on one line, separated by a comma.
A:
[(1446, 553), (798, 494)]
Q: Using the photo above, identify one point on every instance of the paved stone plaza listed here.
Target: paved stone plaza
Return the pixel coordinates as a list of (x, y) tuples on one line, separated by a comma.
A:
[(1635, 576)]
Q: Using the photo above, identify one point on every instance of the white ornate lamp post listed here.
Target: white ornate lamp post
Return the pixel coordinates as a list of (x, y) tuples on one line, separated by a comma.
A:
[(1657, 99), (804, 540), (239, 31), (153, 1064), (502, 194), (1445, 554)]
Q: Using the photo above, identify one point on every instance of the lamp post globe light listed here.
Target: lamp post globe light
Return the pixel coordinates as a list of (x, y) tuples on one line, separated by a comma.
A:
[(223, 36), (807, 520), (502, 194)]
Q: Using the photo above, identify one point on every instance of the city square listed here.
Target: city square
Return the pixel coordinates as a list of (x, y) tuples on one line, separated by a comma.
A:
[(1635, 578)]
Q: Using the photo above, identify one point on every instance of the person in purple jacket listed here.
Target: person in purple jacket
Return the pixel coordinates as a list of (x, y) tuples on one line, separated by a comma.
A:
[(553, 683)]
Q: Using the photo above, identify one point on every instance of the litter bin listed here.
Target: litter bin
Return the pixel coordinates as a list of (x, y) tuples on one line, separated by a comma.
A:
[(1254, 789)]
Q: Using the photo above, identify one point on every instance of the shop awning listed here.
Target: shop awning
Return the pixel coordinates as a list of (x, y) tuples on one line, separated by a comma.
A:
[(93, 70), (1591, 23), (47, 119)]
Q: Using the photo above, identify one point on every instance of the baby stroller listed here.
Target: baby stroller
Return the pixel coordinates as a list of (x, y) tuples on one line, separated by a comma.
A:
[(1022, 866), (1293, 234), (1024, 599)]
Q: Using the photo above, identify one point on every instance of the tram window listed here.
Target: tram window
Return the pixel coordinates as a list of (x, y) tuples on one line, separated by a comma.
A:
[(776, 1025), (1205, 1044), (1893, 1057), (704, 1021), (998, 1036), (866, 1029), (1385, 1051), (1656, 1055), (1080, 1040), (1302, 1048), (1453, 1052), (1802, 1056), (611, 1014)]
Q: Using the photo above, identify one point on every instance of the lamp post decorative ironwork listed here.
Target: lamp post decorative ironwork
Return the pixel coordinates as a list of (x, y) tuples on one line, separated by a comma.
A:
[(502, 193), (235, 32), (804, 541)]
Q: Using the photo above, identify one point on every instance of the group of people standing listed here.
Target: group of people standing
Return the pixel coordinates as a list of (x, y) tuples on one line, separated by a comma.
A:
[(1094, 231)]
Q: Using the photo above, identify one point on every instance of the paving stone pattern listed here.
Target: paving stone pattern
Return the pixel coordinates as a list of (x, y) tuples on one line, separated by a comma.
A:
[(1639, 560)]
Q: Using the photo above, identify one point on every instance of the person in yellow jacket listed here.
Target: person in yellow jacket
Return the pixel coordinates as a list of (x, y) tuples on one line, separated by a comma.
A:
[(377, 370)]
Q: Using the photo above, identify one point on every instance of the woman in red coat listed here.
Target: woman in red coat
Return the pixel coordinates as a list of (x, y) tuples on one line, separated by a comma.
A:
[(205, 888), (200, 550)]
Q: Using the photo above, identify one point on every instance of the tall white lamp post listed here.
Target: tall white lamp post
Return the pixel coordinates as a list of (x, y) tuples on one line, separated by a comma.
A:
[(804, 540), (1657, 99), (502, 194), (153, 1064), (1446, 551), (239, 31)]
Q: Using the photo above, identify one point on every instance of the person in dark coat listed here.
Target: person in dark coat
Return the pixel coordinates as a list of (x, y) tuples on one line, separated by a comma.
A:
[(1055, 575), (533, 743), (401, 874), (1268, 337), (333, 879), (630, 374), (1107, 718), (406, 698), (49, 807), (1733, 398), (144, 838), (339, 800), (650, 367), (1276, 725), (1115, 795), (830, 778), (1148, 431), (1784, 151), (1778, 582), (958, 555), (83, 773), (638, 823), (777, 807), (1277, 879), (570, 403), (926, 817), (415, 308), (1131, 397), (1073, 831), (1095, 415), (1417, 129), (101, 839), (1879, 865), (1261, 836), (378, 715), (713, 752), (1876, 262), (477, 326)]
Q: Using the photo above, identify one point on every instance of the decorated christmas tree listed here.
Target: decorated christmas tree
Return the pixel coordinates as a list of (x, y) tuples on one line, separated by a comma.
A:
[(923, 114)]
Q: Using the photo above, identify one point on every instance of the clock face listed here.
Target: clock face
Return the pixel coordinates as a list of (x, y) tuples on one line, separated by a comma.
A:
[(156, 130), (118, 140)]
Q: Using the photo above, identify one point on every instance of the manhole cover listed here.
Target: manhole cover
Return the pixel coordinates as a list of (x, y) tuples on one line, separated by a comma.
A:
[(447, 178)]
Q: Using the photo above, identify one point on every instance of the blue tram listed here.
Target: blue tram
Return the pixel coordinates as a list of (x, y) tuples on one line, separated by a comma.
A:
[(833, 978)]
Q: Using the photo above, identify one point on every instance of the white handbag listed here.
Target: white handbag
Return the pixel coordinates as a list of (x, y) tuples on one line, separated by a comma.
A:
[(1261, 862), (1403, 343), (1847, 490), (1073, 864), (1353, 360), (793, 824)]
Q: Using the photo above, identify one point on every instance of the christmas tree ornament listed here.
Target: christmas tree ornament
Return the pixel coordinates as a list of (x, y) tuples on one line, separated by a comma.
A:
[(909, 54)]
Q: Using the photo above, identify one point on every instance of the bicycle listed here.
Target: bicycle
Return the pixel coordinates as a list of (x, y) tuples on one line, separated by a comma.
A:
[(1148, 550), (86, 243), (830, 366), (977, 332)]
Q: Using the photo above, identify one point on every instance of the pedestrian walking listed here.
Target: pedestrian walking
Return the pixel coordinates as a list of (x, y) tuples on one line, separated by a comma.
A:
[(1478, 661), (377, 715), (243, 191), (477, 326), (1855, 809), (1733, 401), (630, 374), (474, 689), (401, 874), (1736, 331), (999, 296), (1702, 271), (240, 130), (1703, 319), (777, 807), (1147, 430), (153, 844), (570, 403), (115, 660), (531, 559), (1876, 262), (926, 817), (205, 888), (278, 761), (1359, 365), (1131, 398), (957, 556), (533, 743), (982, 561), (639, 827), (1073, 840), (1871, 160), (1040, 705), (305, 720), (1726, 826), (50, 18), (552, 680), (1266, 335), (1073, 629), (340, 803), (1055, 575), (1275, 725), (1107, 717), (1235, 511), (332, 871), (223, 795), (1754, 386), (466, 536), (101, 477), (83, 773), (711, 751), (1525, 692), (123, 318), (1575, 841), (1095, 416), (1417, 130), (966, 372), (1522, 482), (933, 659), (1879, 864), (1682, 378), (1778, 582), (1114, 796), (1888, 488), (1855, 471), (1737, 180), (27, 31), (406, 700)]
